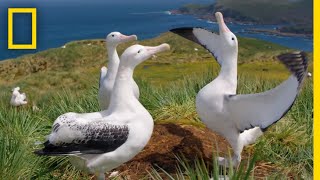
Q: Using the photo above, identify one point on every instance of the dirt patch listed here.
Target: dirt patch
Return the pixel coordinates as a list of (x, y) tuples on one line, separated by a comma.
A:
[(169, 140)]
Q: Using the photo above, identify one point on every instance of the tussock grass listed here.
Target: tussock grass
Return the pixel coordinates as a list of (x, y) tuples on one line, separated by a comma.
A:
[(288, 144), (199, 169)]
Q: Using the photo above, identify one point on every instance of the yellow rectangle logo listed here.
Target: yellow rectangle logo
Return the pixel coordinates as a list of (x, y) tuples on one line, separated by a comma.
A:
[(33, 44)]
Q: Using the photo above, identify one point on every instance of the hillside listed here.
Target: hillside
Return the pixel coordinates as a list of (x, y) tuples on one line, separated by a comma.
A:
[(296, 15), (80, 62)]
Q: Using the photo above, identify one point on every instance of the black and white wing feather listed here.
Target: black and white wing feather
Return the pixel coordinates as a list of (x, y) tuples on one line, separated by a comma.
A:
[(73, 137), (264, 109), (203, 37)]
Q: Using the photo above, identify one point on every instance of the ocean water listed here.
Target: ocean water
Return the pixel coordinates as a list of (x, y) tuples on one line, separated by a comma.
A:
[(62, 21)]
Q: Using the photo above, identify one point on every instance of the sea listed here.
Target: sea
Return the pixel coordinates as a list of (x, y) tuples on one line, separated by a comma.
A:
[(62, 21)]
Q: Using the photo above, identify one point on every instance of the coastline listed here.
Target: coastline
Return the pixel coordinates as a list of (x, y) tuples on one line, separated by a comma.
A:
[(211, 18), (278, 33)]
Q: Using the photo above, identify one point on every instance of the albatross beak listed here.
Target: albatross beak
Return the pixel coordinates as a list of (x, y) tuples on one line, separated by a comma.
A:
[(125, 38), (158, 49), (222, 26)]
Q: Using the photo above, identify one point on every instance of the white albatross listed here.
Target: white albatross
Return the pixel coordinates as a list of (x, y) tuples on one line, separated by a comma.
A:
[(241, 118), (106, 143), (108, 76), (17, 98)]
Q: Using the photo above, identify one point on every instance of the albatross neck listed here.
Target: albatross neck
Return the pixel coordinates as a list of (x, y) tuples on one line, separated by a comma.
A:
[(122, 98), (113, 62), (228, 72)]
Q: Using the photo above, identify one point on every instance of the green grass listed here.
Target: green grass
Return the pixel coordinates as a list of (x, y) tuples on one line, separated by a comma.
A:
[(199, 169), (288, 144)]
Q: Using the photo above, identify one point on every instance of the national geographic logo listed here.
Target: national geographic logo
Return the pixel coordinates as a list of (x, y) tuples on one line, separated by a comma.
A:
[(33, 12)]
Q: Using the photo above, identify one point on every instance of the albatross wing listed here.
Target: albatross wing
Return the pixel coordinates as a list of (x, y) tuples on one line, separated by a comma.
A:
[(84, 138), (264, 109), (103, 74), (203, 37)]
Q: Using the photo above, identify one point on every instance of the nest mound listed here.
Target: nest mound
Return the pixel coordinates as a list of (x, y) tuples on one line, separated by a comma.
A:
[(170, 140)]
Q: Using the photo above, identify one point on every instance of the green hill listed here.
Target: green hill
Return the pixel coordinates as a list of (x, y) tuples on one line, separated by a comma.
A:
[(79, 63), (269, 11)]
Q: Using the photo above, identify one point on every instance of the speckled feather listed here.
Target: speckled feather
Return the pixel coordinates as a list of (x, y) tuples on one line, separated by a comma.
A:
[(97, 137)]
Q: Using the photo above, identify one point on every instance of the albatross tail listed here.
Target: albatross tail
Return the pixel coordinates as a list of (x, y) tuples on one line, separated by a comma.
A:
[(250, 136)]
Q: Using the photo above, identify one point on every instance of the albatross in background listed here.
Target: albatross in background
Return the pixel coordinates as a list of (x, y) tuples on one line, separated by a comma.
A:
[(17, 98), (108, 76), (105, 143), (241, 119)]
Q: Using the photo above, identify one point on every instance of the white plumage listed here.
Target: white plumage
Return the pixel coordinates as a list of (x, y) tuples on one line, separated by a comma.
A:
[(240, 118), (17, 98), (108, 76), (99, 142)]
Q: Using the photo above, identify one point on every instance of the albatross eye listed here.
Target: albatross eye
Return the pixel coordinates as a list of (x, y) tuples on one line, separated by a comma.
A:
[(139, 51), (232, 38), (112, 35)]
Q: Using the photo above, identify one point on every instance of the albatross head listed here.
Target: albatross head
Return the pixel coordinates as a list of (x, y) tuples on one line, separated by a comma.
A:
[(116, 38), (136, 54), (15, 89), (224, 46), (228, 40)]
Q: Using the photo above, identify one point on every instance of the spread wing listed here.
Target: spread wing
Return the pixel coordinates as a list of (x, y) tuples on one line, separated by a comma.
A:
[(264, 109)]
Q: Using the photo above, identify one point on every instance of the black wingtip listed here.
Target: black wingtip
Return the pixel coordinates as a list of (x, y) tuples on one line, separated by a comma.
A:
[(48, 150), (296, 62), (186, 32), (40, 152), (181, 30), (49, 153)]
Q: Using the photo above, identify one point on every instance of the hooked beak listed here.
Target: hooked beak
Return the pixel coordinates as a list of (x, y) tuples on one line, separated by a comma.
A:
[(125, 38), (157, 49), (222, 26)]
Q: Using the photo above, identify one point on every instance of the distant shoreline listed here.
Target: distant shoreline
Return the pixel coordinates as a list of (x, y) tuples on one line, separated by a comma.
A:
[(278, 33), (250, 30)]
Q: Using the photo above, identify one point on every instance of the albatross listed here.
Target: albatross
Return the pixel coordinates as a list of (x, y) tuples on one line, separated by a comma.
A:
[(108, 76), (241, 118), (17, 98), (105, 143)]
